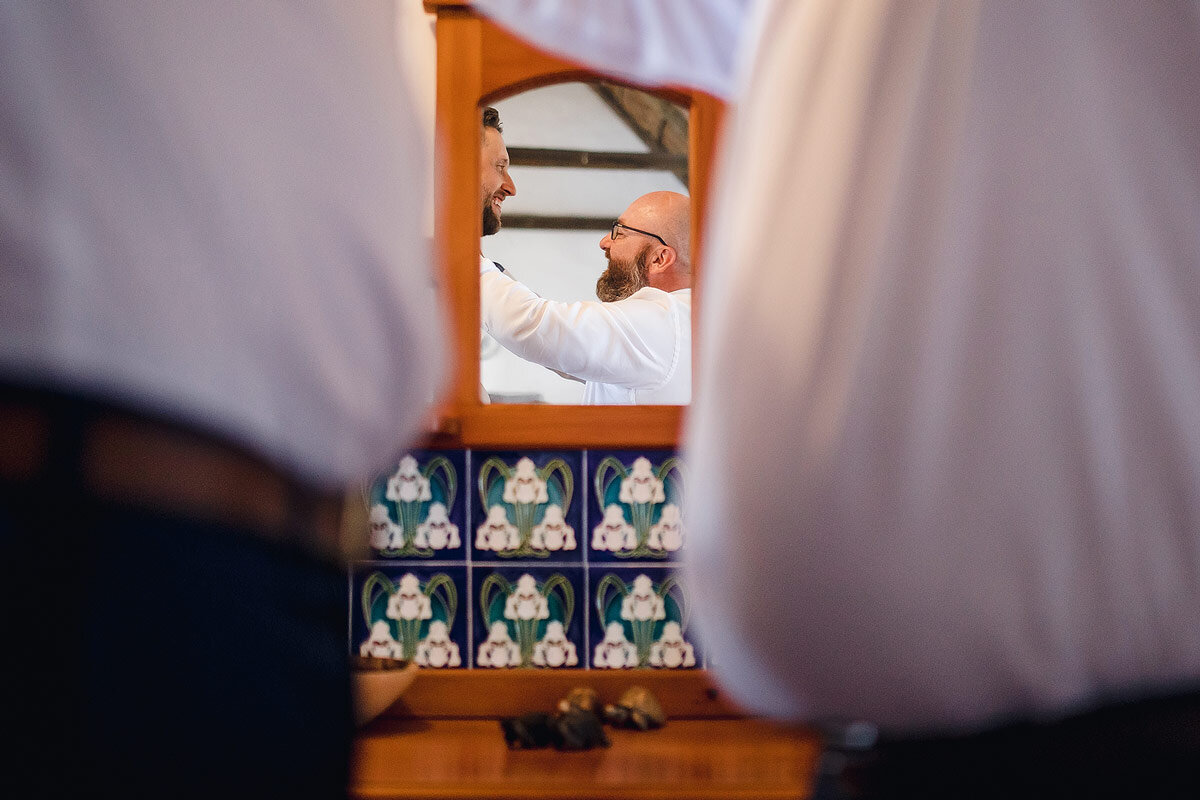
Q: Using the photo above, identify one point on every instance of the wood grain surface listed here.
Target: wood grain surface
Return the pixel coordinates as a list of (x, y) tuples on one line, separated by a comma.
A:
[(700, 759)]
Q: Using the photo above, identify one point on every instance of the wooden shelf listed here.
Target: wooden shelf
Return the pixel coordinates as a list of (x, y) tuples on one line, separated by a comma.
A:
[(442, 739), (699, 759), (490, 694)]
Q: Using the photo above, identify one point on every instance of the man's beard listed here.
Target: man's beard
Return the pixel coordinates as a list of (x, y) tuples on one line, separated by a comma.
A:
[(621, 280), (491, 222)]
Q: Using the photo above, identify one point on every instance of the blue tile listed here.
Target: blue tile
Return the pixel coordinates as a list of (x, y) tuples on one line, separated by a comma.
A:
[(639, 618), (634, 502), (529, 615), (528, 506), (418, 509), (414, 611)]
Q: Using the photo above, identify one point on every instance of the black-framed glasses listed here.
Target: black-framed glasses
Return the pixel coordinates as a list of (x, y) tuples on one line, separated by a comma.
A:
[(612, 234)]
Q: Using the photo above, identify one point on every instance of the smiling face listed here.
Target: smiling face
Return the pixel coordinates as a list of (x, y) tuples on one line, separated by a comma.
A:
[(495, 184)]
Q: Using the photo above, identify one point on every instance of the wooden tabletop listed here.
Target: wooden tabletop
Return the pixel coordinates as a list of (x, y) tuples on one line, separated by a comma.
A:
[(689, 758)]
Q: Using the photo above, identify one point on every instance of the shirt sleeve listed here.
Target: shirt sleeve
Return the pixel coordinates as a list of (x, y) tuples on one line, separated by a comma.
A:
[(634, 343)]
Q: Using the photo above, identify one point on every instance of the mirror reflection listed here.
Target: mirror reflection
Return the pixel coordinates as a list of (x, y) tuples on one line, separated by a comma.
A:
[(585, 274)]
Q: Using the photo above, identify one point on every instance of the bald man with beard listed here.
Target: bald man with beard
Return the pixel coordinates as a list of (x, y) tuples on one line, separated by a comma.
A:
[(634, 345)]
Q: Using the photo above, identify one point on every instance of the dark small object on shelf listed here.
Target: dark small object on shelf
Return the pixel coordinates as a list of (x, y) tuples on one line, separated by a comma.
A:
[(574, 729), (583, 698), (579, 730), (528, 731), (636, 708)]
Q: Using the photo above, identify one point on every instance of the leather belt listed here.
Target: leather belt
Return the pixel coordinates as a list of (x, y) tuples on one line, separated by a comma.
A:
[(130, 459)]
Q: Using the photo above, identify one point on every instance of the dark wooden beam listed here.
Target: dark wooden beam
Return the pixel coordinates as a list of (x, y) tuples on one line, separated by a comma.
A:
[(557, 222), (660, 124), (589, 159)]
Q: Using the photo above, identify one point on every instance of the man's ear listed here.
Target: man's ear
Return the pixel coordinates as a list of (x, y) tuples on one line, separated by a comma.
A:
[(664, 259)]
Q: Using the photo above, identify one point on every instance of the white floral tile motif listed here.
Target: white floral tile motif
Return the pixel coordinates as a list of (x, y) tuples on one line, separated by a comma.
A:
[(416, 510), (553, 533), (527, 619), (640, 621), (615, 651), (411, 616), (613, 533), (527, 507), (497, 533), (437, 649), (635, 506)]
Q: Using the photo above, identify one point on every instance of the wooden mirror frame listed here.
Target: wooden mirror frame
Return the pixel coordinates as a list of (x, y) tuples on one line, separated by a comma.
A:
[(477, 63)]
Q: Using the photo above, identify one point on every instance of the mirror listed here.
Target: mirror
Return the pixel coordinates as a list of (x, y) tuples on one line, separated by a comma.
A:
[(580, 154)]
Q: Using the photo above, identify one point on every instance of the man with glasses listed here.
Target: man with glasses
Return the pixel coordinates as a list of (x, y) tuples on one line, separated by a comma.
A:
[(635, 345)]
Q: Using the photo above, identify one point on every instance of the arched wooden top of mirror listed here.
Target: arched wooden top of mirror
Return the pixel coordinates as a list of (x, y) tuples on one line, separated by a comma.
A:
[(478, 62)]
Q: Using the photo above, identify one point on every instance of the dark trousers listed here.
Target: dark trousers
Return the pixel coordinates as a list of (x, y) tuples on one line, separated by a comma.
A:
[(1148, 748), (149, 654)]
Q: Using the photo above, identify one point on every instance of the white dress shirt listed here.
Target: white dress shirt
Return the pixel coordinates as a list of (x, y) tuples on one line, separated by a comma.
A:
[(206, 209), (945, 448), (632, 351)]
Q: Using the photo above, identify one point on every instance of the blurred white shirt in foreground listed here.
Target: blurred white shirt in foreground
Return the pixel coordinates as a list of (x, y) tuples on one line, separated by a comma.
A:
[(946, 437)]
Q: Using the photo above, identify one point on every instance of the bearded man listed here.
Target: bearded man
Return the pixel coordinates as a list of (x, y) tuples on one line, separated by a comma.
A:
[(634, 345), (495, 183)]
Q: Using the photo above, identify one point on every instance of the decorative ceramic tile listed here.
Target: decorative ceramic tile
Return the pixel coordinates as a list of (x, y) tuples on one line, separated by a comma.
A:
[(528, 508), (529, 616), (523, 559), (415, 612), (634, 505), (417, 511), (639, 619)]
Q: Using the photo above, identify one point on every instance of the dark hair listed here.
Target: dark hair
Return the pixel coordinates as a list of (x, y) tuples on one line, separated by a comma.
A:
[(491, 119)]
